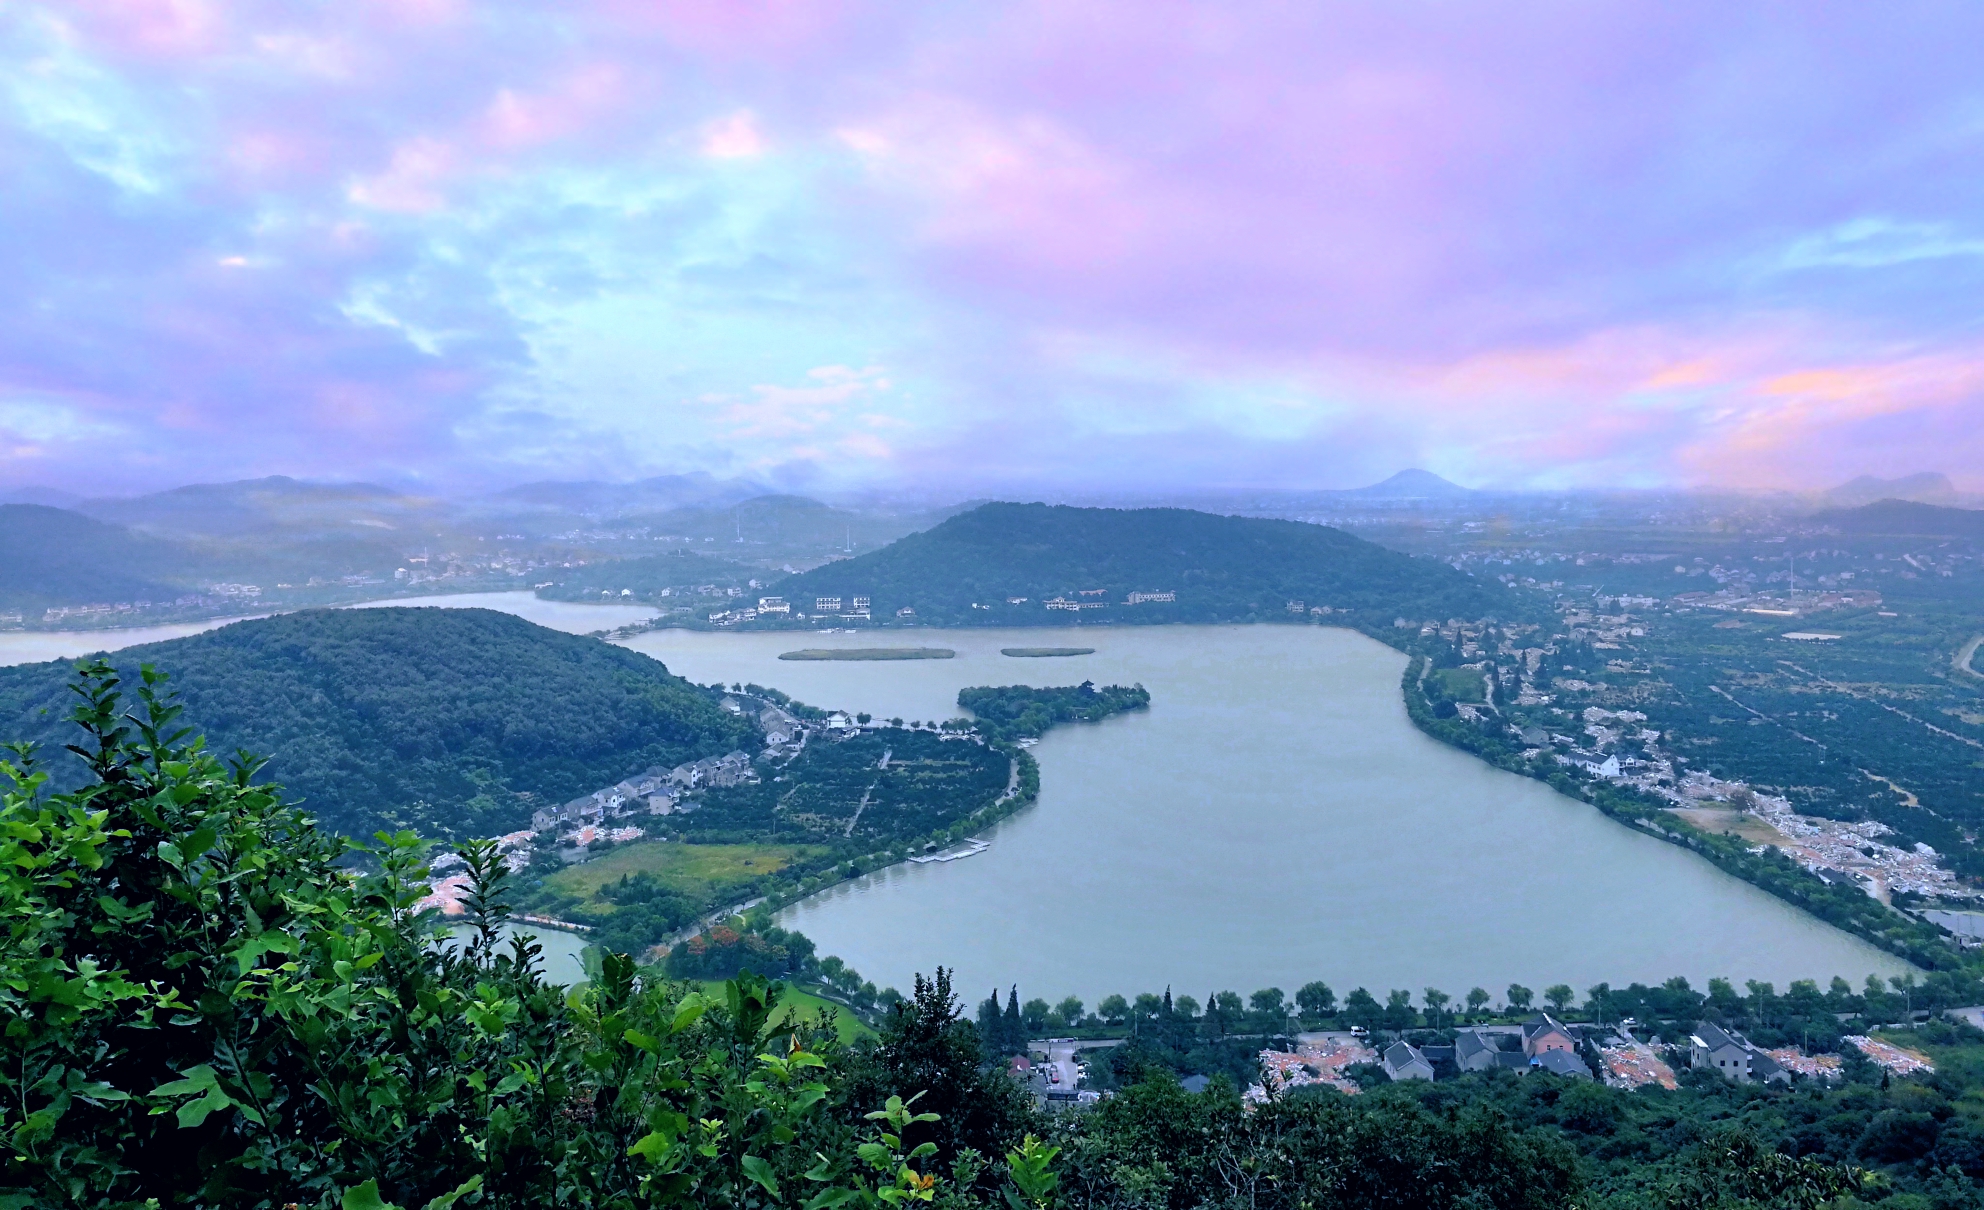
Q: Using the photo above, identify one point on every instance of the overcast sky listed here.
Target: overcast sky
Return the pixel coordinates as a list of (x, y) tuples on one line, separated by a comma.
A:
[(1073, 244)]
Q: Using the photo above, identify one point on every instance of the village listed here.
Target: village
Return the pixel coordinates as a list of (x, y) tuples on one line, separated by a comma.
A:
[(1610, 1054), (1615, 745)]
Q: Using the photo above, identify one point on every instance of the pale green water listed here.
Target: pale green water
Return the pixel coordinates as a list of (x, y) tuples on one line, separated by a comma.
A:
[(560, 957), (1274, 818)]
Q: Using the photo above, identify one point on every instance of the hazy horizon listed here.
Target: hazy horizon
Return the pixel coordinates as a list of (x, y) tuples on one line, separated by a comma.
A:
[(931, 496), (1083, 249)]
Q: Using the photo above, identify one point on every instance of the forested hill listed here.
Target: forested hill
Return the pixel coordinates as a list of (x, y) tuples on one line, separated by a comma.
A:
[(456, 722), (968, 569), (51, 556)]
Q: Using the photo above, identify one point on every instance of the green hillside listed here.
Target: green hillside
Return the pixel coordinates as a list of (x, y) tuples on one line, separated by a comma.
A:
[(966, 570), (452, 721), (51, 556)]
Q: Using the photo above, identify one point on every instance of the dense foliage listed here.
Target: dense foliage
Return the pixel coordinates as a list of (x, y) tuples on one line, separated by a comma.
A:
[(966, 570), (454, 722), (846, 803), (877, 785), (1011, 712)]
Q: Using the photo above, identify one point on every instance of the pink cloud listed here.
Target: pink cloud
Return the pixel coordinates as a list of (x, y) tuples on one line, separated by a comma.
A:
[(574, 102), (733, 137), (413, 182)]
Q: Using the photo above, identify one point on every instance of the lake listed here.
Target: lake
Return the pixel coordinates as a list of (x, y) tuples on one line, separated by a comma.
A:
[(562, 952), (37, 646), (1274, 818)]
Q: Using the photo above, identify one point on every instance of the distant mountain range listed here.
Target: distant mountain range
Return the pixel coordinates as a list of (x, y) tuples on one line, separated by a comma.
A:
[(1928, 487), (1000, 563), (1412, 485), (595, 498), (780, 524), (50, 556), (53, 497), (276, 505), (1905, 518), (456, 722)]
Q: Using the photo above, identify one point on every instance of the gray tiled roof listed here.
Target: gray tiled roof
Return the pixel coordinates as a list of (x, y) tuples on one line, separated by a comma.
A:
[(1562, 1062)]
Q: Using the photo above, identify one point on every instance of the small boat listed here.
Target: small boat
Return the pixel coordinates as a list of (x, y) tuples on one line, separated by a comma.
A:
[(969, 848)]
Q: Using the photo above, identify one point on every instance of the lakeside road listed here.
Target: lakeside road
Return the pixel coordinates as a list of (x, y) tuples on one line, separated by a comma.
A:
[(1966, 654)]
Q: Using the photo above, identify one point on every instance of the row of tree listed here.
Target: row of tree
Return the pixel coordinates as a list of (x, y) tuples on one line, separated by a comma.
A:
[(1755, 1005)]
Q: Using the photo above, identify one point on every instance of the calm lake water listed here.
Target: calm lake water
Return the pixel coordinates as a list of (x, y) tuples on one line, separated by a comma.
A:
[(561, 956), (37, 646), (1274, 818)]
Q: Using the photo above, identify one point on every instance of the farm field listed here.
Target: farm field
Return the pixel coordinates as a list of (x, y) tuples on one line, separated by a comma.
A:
[(703, 873), (800, 1005)]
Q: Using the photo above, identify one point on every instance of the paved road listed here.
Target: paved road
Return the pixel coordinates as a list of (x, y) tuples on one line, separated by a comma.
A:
[(1965, 654)]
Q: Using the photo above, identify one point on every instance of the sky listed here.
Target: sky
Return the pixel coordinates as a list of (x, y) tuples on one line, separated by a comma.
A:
[(1077, 246)]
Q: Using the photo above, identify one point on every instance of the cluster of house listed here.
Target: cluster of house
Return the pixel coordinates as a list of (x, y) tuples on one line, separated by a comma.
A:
[(1095, 598), (657, 791), (1735, 1057), (1542, 1042), (1546, 1044), (856, 608)]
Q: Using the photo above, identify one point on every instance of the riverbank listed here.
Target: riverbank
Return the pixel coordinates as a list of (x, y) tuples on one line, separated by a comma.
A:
[(1841, 906)]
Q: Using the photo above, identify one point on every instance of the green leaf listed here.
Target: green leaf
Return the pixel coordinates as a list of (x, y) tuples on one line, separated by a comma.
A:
[(169, 853), (461, 1191), (199, 842), (761, 1172), (653, 1147), (807, 1096), (365, 1197), (693, 1006), (251, 950)]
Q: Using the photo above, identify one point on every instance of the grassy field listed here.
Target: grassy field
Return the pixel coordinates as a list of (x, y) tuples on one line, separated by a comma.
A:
[(1464, 684), (803, 1006), (704, 872), (1737, 823)]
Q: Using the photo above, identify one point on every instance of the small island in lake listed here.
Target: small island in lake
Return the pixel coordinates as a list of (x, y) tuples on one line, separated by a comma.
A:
[(1033, 653), (870, 653)]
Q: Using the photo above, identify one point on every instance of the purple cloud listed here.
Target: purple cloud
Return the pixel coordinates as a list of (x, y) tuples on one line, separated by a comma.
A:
[(857, 243)]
